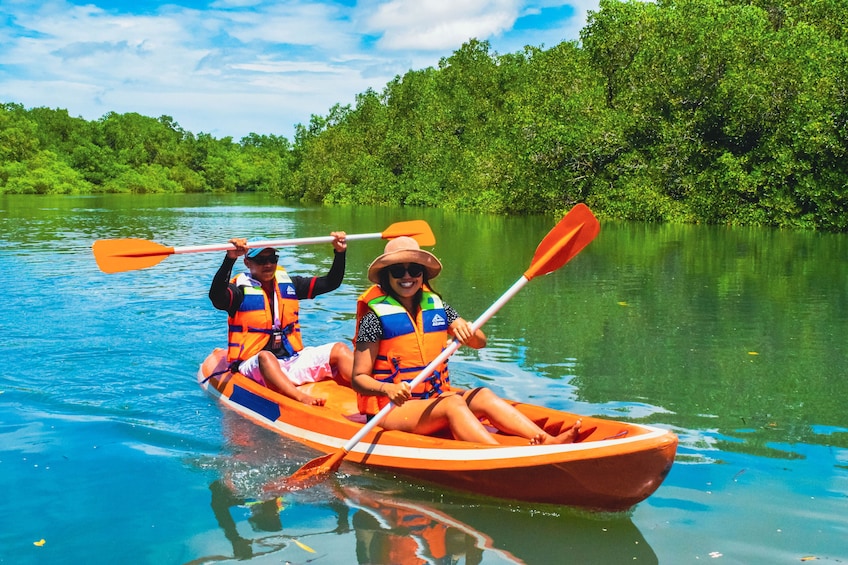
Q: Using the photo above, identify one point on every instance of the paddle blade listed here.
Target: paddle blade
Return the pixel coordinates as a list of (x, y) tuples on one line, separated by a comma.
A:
[(309, 475), (573, 232), (118, 255), (419, 230)]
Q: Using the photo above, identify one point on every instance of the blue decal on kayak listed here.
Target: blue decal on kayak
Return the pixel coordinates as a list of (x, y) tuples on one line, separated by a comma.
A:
[(261, 406)]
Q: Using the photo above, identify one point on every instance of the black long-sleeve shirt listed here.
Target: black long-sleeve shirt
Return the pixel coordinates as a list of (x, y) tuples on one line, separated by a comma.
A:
[(228, 297)]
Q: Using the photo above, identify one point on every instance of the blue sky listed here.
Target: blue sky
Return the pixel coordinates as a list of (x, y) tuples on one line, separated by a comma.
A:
[(232, 67)]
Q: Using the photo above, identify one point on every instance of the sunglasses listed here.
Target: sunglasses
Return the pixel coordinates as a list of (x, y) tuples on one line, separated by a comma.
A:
[(414, 270), (265, 259)]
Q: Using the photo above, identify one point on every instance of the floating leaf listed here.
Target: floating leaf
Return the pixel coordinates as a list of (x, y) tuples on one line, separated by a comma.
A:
[(303, 546), (622, 303), (39, 543), (753, 353), (809, 558)]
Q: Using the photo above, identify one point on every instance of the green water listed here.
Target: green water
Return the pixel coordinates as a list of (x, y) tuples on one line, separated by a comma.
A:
[(110, 453)]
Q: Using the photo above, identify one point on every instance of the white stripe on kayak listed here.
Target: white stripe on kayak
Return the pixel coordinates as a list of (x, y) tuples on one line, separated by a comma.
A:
[(429, 453)]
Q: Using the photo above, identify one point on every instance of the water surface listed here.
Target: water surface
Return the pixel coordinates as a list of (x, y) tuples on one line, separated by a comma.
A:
[(110, 452)]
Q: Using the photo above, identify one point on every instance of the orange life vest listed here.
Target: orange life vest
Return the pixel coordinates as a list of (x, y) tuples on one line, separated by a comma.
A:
[(255, 322), (407, 346), (412, 537), (431, 533)]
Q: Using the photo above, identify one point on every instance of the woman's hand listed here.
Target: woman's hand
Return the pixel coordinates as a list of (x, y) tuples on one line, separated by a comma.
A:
[(396, 393), (461, 330)]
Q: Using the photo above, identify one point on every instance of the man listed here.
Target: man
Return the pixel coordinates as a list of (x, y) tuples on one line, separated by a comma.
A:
[(264, 342)]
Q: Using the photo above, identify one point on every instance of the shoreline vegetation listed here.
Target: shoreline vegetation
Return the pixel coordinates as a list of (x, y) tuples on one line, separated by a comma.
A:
[(729, 112)]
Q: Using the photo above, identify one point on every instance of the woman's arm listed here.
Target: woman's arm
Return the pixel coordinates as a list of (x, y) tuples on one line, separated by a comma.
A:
[(363, 364), (362, 382)]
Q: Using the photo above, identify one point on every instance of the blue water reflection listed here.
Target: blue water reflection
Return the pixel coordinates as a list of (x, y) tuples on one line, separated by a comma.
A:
[(733, 339)]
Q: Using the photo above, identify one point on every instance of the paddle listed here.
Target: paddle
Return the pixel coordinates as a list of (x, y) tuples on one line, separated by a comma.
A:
[(573, 232), (119, 255)]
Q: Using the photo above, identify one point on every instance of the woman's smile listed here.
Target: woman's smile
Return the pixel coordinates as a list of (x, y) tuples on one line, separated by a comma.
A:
[(406, 286)]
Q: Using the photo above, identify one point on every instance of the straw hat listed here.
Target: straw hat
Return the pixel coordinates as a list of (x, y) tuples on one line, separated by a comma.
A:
[(404, 249)]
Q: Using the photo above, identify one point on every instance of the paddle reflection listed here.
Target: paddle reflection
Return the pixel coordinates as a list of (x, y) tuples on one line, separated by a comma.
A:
[(387, 527), (263, 516)]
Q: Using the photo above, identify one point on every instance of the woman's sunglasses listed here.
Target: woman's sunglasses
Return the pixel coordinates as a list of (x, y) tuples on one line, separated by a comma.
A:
[(414, 270), (265, 259)]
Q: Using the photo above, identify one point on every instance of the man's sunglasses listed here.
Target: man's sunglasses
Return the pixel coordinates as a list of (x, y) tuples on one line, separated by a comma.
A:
[(265, 259), (414, 270)]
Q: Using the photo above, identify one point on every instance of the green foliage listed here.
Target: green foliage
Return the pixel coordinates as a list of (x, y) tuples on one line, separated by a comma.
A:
[(45, 151), (18, 135), (712, 111), (146, 179), (44, 173)]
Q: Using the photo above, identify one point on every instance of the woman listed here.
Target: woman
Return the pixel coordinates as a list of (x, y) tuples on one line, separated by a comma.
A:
[(402, 325)]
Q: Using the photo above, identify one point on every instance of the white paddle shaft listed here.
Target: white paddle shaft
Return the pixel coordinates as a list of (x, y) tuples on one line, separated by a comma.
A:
[(275, 243)]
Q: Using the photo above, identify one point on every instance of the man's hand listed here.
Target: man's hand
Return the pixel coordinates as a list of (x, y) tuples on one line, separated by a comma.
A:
[(339, 241)]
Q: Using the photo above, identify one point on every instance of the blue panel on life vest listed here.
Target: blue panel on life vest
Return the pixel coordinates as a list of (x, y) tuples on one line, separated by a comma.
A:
[(261, 406), (435, 320), (396, 324), (252, 302), (287, 290)]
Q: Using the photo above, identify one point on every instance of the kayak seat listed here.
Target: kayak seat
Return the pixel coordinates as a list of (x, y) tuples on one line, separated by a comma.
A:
[(356, 417), (584, 434)]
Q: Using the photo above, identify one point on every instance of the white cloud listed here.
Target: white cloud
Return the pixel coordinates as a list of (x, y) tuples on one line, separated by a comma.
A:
[(291, 23), (440, 24), (241, 66)]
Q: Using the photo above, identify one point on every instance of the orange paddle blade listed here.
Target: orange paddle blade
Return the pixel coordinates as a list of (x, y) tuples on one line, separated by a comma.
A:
[(118, 255), (573, 232), (310, 474), (419, 230)]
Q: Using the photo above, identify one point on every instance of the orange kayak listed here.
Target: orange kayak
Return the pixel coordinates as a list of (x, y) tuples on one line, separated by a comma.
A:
[(612, 467)]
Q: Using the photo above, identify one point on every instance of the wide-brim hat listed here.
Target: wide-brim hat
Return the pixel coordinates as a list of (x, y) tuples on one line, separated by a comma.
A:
[(404, 249)]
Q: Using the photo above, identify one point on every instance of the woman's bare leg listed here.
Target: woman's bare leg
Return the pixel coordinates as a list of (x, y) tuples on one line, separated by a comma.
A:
[(505, 417), (431, 416)]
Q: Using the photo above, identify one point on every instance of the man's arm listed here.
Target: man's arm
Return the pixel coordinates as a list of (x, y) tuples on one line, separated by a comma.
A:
[(225, 296), (310, 287)]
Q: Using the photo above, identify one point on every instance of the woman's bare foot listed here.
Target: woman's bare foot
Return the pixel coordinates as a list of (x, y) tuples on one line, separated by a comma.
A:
[(568, 436)]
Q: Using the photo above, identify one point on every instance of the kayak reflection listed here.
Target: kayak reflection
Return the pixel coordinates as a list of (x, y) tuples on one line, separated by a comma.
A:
[(390, 521), (393, 530), (387, 530), (559, 535)]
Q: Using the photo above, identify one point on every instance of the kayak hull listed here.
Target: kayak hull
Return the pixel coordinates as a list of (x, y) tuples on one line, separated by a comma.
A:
[(614, 466)]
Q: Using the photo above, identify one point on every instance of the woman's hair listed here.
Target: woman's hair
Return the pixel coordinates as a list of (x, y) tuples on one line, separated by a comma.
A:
[(387, 286)]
